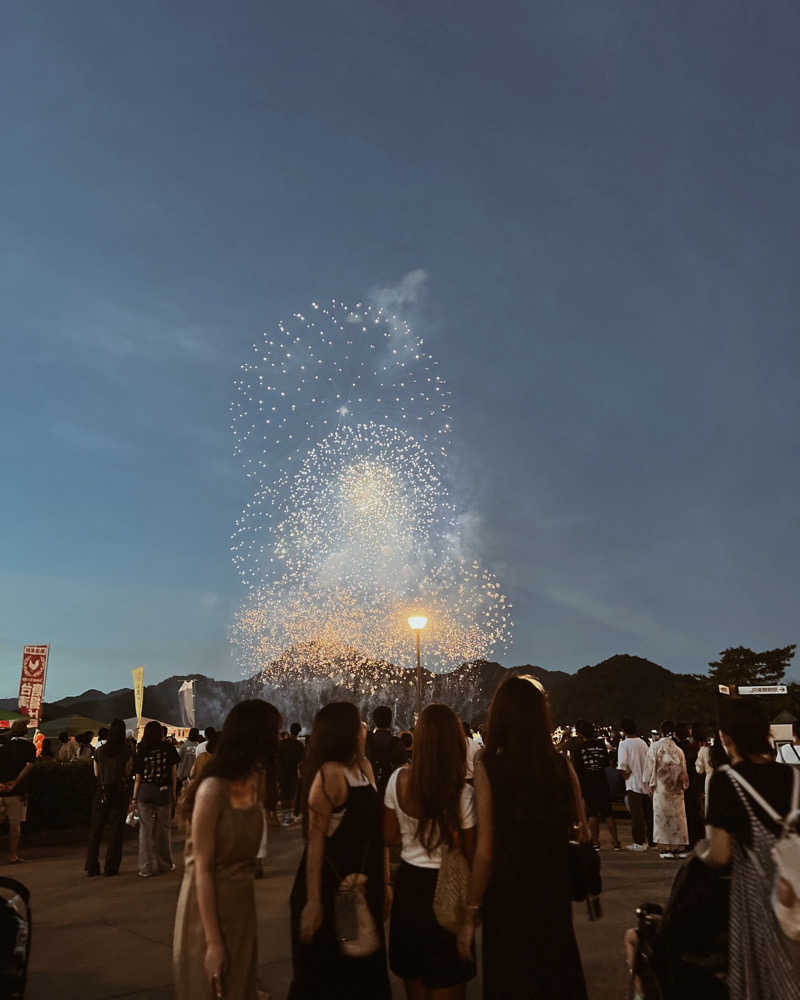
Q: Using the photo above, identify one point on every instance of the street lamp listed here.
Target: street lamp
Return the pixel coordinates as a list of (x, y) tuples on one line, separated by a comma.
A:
[(418, 623)]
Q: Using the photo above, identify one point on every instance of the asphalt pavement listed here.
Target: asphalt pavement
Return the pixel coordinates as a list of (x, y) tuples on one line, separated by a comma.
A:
[(99, 938)]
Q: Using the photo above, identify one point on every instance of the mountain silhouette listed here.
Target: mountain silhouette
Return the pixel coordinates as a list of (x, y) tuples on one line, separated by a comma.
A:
[(622, 685)]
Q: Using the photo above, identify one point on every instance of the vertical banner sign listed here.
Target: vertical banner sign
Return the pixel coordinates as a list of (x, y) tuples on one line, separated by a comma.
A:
[(31, 685), (186, 704), (138, 691)]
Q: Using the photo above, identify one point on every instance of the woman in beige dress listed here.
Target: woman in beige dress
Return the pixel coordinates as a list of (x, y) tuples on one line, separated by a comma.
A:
[(215, 947)]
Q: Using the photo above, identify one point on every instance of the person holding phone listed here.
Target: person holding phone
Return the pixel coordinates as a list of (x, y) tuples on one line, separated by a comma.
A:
[(215, 944)]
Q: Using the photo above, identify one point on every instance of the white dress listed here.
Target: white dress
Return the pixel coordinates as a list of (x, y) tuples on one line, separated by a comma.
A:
[(669, 809)]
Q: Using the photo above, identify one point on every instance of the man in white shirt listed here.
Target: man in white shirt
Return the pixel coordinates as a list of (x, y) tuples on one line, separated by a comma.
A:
[(789, 753), (473, 751), (631, 756), (203, 747)]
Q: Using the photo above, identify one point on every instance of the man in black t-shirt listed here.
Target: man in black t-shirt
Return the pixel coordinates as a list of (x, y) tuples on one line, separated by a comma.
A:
[(590, 758), (16, 759)]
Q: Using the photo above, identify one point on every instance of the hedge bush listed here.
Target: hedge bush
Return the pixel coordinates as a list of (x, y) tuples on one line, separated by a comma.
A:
[(59, 795)]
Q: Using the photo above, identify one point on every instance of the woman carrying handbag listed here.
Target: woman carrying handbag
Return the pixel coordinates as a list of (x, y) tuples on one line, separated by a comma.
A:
[(430, 811), (527, 796), (338, 901)]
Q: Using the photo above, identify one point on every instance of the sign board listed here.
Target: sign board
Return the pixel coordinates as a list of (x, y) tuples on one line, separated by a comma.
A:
[(138, 690), (764, 689), (724, 689), (31, 684)]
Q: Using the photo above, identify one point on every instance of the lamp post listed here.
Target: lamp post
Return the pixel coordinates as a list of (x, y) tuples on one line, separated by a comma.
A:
[(417, 623)]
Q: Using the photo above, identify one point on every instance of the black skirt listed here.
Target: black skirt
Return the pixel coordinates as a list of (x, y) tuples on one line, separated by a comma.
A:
[(419, 947)]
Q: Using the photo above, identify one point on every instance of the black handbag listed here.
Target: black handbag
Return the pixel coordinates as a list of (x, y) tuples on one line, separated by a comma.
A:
[(584, 877)]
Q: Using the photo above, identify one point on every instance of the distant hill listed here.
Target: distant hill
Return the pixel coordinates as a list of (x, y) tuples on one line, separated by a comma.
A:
[(620, 685)]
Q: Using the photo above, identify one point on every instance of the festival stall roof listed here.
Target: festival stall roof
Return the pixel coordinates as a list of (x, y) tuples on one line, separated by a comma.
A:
[(783, 718), (72, 724)]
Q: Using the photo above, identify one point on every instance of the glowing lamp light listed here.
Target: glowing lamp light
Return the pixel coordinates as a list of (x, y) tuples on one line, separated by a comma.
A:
[(417, 622)]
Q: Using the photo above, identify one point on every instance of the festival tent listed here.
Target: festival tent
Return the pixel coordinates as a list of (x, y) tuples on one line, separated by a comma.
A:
[(133, 726), (72, 724)]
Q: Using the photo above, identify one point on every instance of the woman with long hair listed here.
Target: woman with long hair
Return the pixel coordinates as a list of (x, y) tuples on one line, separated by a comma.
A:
[(215, 947), (528, 799), (344, 837), (428, 807), (154, 790), (112, 769)]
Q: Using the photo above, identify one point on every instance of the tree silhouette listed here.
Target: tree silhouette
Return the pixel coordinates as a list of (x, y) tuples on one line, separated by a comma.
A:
[(739, 665)]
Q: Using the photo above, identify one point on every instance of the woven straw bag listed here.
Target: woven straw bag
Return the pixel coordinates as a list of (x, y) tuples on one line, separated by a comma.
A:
[(450, 898)]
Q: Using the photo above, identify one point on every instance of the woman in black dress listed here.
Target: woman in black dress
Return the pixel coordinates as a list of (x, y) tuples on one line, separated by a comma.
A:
[(342, 821), (527, 797), (112, 768)]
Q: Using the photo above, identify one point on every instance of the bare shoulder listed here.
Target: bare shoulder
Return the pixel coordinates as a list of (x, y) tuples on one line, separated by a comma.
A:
[(331, 782), (211, 792)]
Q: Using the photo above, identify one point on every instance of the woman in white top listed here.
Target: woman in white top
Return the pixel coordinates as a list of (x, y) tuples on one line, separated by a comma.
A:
[(428, 805)]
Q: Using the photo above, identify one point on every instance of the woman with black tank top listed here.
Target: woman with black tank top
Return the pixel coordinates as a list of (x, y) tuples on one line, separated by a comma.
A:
[(763, 963), (342, 816), (528, 798)]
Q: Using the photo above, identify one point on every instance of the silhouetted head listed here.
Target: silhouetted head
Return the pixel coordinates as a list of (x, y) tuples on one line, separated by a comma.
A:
[(152, 737), (295, 729), (667, 728), (382, 717), (628, 726), (585, 729), (519, 738), (744, 726), (194, 734)]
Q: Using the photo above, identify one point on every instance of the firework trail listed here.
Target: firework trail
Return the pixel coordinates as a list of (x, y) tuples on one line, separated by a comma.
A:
[(341, 420)]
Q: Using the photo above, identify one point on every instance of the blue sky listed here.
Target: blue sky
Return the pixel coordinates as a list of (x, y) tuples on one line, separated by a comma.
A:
[(603, 199)]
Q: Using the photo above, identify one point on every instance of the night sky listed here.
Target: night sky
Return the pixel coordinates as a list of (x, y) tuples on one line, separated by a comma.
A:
[(598, 206)]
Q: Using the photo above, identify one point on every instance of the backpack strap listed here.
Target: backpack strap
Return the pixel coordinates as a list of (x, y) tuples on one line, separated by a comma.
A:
[(756, 796), (794, 808)]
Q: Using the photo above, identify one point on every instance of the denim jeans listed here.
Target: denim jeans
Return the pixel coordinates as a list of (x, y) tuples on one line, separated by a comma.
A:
[(155, 850)]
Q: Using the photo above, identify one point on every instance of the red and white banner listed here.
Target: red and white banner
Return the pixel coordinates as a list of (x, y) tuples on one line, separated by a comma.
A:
[(31, 685)]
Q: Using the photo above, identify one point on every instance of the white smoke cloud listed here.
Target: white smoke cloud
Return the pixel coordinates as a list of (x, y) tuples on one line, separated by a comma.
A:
[(399, 297)]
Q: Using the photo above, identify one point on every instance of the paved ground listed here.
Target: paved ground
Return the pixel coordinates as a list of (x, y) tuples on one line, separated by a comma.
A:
[(97, 939)]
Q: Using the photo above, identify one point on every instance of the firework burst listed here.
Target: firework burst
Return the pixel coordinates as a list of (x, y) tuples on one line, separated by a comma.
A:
[(342, 421)]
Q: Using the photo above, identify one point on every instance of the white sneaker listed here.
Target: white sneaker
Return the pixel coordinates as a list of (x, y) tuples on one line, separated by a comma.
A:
[(667, 855), (636, 847)]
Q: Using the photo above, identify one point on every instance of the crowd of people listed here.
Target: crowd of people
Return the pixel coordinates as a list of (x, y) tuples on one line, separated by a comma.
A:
[(440, 832)]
